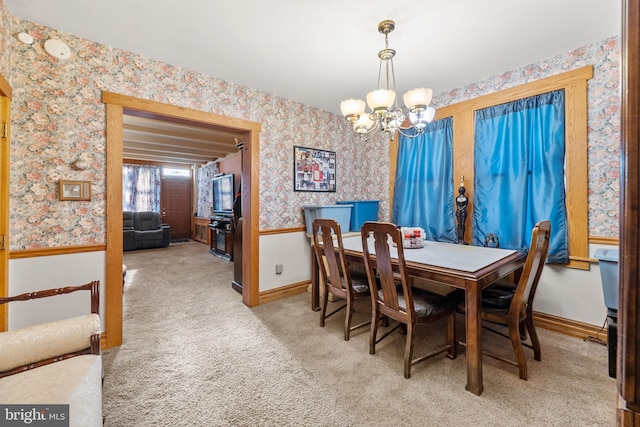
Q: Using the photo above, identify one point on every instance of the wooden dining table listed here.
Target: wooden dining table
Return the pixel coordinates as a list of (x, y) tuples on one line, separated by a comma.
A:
[(471, 268)]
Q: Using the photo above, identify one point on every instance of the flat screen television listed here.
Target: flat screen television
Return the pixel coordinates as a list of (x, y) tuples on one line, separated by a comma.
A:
[(223, 194)]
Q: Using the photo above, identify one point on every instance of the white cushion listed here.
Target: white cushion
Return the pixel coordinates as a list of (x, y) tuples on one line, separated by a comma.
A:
[(29, 345), (76, 381)]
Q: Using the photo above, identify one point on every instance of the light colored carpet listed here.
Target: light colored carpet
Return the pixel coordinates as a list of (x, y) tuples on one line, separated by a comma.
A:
[(194, 355)]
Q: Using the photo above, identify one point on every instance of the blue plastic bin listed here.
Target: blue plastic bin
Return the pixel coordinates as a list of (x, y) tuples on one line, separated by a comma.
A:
[(340, 213), (609, 274), (363, 211)]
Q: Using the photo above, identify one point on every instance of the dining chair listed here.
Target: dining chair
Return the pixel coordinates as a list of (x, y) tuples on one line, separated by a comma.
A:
[(338, 279), (392, 295), (513, 306)]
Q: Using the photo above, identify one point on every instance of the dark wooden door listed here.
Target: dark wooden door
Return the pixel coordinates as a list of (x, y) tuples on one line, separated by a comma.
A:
[(176, 206)]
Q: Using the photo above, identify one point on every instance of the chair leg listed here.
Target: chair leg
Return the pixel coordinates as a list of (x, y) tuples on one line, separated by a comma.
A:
[(347, 320), (451, 336), (323, 310), (514, 334), (535, 343), (403, 329), (373, 331), (385, 321), (523, 332), (408, 351)]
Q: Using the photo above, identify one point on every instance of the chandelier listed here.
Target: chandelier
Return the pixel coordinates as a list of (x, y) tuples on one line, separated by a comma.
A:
[(385, 114)]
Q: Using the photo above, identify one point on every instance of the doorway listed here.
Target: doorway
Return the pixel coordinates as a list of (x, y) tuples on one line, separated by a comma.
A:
[(176, 206), (248, 132)]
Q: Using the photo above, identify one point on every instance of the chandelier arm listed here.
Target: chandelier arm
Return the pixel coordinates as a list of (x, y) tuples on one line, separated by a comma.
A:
[(409, 135), (371, 133)]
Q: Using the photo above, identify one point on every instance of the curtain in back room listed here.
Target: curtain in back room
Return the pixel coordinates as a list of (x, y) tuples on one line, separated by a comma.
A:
[(141, 188), (519, 160), (423, 194)]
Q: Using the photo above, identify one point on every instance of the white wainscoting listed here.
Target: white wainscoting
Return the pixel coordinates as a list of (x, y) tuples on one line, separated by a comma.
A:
[(293, 251), (568, 293), (55, 271), (573, 294)]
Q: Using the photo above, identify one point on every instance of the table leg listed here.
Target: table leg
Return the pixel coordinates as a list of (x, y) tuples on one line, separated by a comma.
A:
[(315, 282), (473, 303)]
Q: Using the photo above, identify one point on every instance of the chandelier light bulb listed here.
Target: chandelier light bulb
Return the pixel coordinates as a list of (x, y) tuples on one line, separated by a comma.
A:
[(418, 98), (352, 107), (429, 114), (364, 124), (420, 118), (381, 99)]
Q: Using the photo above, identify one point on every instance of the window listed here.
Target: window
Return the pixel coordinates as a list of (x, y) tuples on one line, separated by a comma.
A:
[(574, 84), (140, 188), (519, 158), (176, 172), (424, 182)]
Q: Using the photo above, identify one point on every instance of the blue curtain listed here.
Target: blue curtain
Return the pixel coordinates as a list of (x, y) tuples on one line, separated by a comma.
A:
[(141, 188), (423, 193), (519, 173)]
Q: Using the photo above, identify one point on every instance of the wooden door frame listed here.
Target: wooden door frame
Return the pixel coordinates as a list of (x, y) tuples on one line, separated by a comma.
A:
[(628, 356), (116, 106), (5, 141)]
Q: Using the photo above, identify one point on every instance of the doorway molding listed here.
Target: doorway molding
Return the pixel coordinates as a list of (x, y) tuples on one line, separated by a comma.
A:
[(5, 143), (116, 107)]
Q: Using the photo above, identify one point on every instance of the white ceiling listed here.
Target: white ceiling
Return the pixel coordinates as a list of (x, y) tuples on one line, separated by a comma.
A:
[(321, 52)]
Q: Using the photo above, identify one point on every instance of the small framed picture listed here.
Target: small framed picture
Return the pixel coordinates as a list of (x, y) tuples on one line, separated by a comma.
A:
[(75, 190), (313, 169)]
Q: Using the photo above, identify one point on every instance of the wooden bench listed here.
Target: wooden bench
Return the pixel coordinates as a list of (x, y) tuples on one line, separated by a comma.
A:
[(57, 362)]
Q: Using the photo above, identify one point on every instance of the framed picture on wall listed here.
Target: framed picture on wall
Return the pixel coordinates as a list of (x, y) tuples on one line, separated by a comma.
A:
[(313, 169), (75, 190)]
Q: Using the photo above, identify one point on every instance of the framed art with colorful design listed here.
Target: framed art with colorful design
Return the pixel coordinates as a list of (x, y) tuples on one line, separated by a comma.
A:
[(313, 169)]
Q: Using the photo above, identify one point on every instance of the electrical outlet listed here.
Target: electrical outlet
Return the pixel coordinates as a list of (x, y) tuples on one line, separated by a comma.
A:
[(278, 268)]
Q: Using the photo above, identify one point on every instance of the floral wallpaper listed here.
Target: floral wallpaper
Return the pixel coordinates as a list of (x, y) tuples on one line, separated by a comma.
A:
[(5, 35), (58, 117)]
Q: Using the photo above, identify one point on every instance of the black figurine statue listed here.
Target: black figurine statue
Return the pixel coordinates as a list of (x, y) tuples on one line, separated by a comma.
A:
[(461, 211)]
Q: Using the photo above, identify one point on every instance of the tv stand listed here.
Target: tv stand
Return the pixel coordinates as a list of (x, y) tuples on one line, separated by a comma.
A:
[(221, 231)]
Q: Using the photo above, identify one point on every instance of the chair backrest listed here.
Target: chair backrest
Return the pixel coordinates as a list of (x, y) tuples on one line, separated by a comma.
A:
[(93, 287), (381, 236), (145, 221), (532, 269), (334, 272)]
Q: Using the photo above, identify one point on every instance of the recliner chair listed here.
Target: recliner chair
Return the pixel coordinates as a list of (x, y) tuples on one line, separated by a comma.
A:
[(128, 237), (146, 231)]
